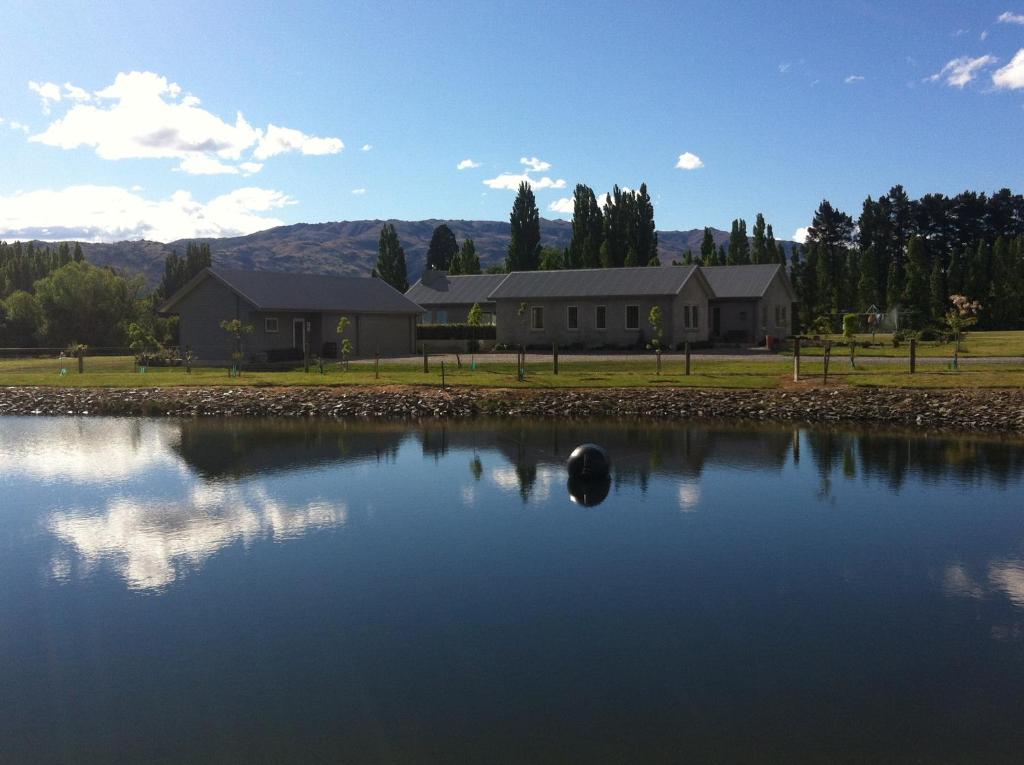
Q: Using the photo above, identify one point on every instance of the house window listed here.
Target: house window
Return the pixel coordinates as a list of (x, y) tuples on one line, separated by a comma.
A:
[(486, 319), (572, 317), (537, 317), (693, 317), (632, 317), (764, 316), (601, 317), (686, 316), (440, 317), (270, 325)]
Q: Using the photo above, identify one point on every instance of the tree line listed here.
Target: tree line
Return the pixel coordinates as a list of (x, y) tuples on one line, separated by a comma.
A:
[(912, 255)]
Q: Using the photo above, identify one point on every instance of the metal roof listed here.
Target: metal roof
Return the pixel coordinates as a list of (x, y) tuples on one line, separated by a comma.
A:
[(273, 291), (594, 282), (740, 281), (441, 289)]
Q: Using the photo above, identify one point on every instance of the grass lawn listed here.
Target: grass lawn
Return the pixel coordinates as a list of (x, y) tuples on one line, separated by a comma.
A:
[(976, 344), (118, 372)]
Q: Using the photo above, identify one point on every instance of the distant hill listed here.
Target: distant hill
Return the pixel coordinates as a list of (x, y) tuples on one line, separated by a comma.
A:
[(350, 247)]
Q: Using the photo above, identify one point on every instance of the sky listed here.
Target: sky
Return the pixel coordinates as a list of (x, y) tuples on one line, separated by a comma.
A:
[(169, 120)]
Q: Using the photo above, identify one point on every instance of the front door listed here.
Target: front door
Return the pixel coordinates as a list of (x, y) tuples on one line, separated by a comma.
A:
[(716, 321), (299, 334)]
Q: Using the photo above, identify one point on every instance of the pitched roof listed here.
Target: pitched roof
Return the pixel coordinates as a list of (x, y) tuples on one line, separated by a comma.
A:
[(741, 281), (273, 291), (595, 282), (441, 289)]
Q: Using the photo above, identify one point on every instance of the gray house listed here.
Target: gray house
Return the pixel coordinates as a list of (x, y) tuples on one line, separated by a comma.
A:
[(601, 307), (750, 302), (448, 299), (287, 309)]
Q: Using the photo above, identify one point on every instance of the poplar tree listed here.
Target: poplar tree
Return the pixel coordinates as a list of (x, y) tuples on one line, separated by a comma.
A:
[(524, 244), (739, 246), (938, 293), (587, 233), (759, 252), (776, 254), (391, 259), (646, 233), (469, 261), (867, 285), (707, 248)]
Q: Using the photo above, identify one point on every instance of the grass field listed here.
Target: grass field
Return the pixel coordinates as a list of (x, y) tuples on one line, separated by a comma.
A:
[(756, 373), (975, 344)]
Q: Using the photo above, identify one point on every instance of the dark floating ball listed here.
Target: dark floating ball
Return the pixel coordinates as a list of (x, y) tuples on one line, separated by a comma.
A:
[(589, 492), (589, 462)]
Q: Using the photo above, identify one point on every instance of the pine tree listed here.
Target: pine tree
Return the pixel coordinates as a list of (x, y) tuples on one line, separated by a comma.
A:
[(867, 286), (707, 248), (955, 276), (915, 290), (443, 247), (808, 287), (979, 274), (78, 255), (524, 244), (938, 294), (832, 229), (391, 259), (759, 252)]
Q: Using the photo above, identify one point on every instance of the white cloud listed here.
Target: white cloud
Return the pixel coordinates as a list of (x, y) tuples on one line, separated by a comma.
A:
[(142, 115), (359, 192), (248, 168), (278, 140), (960, 71), (854, 78), (15, 125), (689, 161), (200, 164), (563, 205), (111, 213), (535, 165), (602, 199), (49, 92), (800, 235), (511, 182), (784, 67), (1010, 18), (983, 36), (1011, 76), (367, 147), (467, 164)]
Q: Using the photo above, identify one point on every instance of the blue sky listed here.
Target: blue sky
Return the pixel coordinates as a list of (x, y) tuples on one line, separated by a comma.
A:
[(120, 120)]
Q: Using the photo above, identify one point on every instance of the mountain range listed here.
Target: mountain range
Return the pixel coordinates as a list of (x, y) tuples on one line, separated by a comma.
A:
[(350, 247)]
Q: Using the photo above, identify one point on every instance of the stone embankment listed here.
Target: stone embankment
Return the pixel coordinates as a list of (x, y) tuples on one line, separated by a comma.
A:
[(975, 410)]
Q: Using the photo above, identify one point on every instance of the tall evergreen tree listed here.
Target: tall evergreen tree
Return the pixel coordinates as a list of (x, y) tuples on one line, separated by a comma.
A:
[(832, 229), (391, 259), (443, 247), (739, 245), (646, 231), (775, 253), (524, 245), (587, 229), (938, 294), (915, 290), (78, 256), (867, 286), (469, 261), (956, 275), (707, 248), (723, 257)]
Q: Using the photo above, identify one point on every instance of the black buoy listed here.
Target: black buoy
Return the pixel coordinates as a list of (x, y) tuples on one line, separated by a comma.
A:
[(589, 462), (589, 492)]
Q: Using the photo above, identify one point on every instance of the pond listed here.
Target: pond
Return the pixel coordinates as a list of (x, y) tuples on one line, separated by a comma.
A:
[(264, 591)]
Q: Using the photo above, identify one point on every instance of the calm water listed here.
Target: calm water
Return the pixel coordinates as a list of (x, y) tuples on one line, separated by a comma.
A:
[(287, 592)]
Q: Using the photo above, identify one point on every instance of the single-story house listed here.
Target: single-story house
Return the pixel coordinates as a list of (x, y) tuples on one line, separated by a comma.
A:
[(286, 310), (448, 299), (750, 302), (602, 307)]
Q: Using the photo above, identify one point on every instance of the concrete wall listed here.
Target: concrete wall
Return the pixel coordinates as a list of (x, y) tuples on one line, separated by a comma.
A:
[(515, 330)]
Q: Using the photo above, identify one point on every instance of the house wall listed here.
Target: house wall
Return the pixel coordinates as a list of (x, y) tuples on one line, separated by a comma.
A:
[(370, 333), (736, 318), (454, 313), (201, 312), (757, 318), (692, 294), (515, 330)]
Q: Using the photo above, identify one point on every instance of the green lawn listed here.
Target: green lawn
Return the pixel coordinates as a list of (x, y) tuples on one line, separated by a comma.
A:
[(758, 373), (976, 344)]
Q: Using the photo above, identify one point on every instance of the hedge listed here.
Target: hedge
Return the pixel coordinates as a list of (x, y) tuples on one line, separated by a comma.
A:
[(455, 332)]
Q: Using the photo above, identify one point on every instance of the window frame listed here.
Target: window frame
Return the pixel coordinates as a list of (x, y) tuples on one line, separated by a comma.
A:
[(572, 309), (266, 325), (602, 322), (535, 311), (626, 316), (694, 322)]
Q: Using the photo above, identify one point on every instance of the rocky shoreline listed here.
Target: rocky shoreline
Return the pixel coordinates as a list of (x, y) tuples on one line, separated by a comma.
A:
[(971, 410)]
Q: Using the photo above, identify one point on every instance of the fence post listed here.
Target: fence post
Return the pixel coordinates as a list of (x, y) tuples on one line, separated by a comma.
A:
[(913, 355), (425, 368), (828, 357), (442, 374), (80, 353), (686, 350), (376, 365), (796, 359), (554, 357)]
